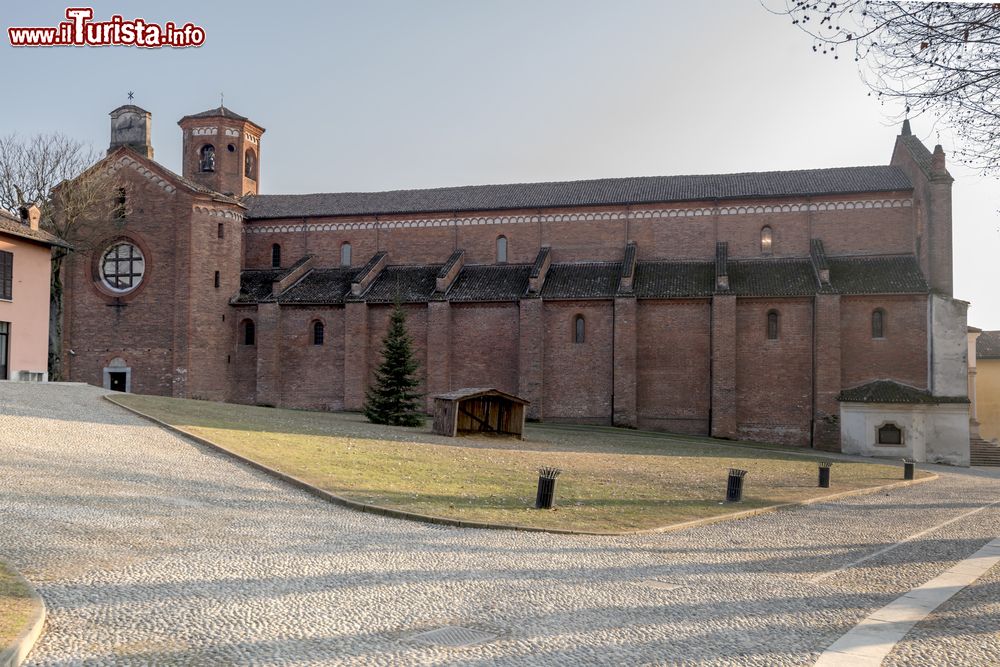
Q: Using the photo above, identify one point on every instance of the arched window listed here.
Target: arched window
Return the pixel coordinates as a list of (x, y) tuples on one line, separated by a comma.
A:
[(208, 157), (878, 323), (345, 254), (772, 325), (276, 255), (766, 240), (250, 164), (501, 249), (579, 329), (249, 332), (318, 331)]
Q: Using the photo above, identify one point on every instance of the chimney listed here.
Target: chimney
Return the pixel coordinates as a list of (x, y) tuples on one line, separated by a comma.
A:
[(132, 126), (937, 162), (31, 215)]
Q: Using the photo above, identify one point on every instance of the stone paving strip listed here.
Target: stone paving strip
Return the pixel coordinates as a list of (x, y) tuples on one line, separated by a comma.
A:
[(150, 549), (868, 643)]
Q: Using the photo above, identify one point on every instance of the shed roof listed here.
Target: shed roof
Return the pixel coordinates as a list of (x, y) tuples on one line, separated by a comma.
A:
[(475, 392)]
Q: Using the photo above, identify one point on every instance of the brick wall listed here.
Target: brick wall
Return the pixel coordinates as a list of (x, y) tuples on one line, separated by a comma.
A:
[(578, 380), (901, 355), (312, 375), (774, 377), (673, 367), (144, 332), (485, 346)]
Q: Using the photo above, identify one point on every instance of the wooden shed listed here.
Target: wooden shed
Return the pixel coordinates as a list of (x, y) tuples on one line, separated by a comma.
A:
[(479, 410)]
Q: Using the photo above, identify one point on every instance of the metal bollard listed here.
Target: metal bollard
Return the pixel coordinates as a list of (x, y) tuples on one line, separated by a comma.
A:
[(546, 496), (908, 468), (734, 489), (824, 474)]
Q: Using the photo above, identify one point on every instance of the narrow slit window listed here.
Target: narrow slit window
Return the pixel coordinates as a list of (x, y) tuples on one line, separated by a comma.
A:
[(218, 280), (121, 203), (579, 329), (222, 231), (6, 275), (772, 325), (345, 254), (249, 333), (276, 256), (766, 241), (250, 164), (878, 323), (502, 250), (319, 330)]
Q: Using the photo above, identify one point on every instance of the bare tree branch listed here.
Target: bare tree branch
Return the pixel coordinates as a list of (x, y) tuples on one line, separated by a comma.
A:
[(80, 203), (937, 58)]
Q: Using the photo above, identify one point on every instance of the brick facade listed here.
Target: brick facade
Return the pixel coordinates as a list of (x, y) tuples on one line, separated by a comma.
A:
[(669, 347)]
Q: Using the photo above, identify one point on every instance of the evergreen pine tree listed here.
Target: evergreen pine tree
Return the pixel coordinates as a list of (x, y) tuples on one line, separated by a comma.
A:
[(393, 399)]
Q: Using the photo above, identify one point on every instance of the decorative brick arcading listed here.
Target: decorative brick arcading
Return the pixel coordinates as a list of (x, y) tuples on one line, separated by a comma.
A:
[(148, 174), (589, 216)]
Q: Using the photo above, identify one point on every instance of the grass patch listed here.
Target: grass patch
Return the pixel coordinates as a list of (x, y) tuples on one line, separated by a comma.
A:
[(613, 479), (16, 606)]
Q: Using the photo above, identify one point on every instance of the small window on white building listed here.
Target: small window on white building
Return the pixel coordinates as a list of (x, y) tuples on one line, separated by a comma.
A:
[(890, 434)]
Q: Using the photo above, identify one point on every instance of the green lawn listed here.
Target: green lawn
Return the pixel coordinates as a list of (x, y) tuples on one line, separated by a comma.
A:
[(613, 479), (16, 607)]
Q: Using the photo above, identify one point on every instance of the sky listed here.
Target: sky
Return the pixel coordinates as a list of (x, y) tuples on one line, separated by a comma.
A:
[(378, 95)]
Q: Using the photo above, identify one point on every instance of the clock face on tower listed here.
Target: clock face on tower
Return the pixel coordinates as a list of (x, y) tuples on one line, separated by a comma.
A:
[(129, 128)]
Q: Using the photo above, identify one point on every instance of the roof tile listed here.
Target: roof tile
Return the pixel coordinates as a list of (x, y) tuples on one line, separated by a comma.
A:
[(605, 191), (674, 279), (889, 391), (584, 280), (491, 282), (988, 345)]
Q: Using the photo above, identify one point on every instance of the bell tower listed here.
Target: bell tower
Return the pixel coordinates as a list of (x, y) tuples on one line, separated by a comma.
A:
[(222, 151), (132, 126)]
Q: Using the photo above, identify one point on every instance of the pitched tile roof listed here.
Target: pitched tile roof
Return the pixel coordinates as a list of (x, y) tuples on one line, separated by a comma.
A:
[(320, 286), (491, 282), (899, 274), (605, 191), (583, 280), (217, 112), (11, 226), (772, 277), (889, 391), (674, 279), (406, 284), (255, 285), (988, 345)]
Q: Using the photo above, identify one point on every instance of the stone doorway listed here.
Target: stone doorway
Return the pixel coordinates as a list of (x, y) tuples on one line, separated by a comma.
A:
[(118, 376)]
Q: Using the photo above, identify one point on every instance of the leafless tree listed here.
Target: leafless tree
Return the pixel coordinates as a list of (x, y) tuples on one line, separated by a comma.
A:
[(79, 204), (940, 59)]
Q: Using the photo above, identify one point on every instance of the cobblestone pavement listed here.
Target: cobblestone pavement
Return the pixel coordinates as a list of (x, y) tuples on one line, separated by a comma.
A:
[(151, 550)]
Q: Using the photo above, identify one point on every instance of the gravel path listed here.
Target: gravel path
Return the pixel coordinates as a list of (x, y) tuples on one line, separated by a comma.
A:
[(150, 550)]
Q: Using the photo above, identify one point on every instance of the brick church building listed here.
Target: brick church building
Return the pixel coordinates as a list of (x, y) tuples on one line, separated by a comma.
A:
[(808, 307)]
